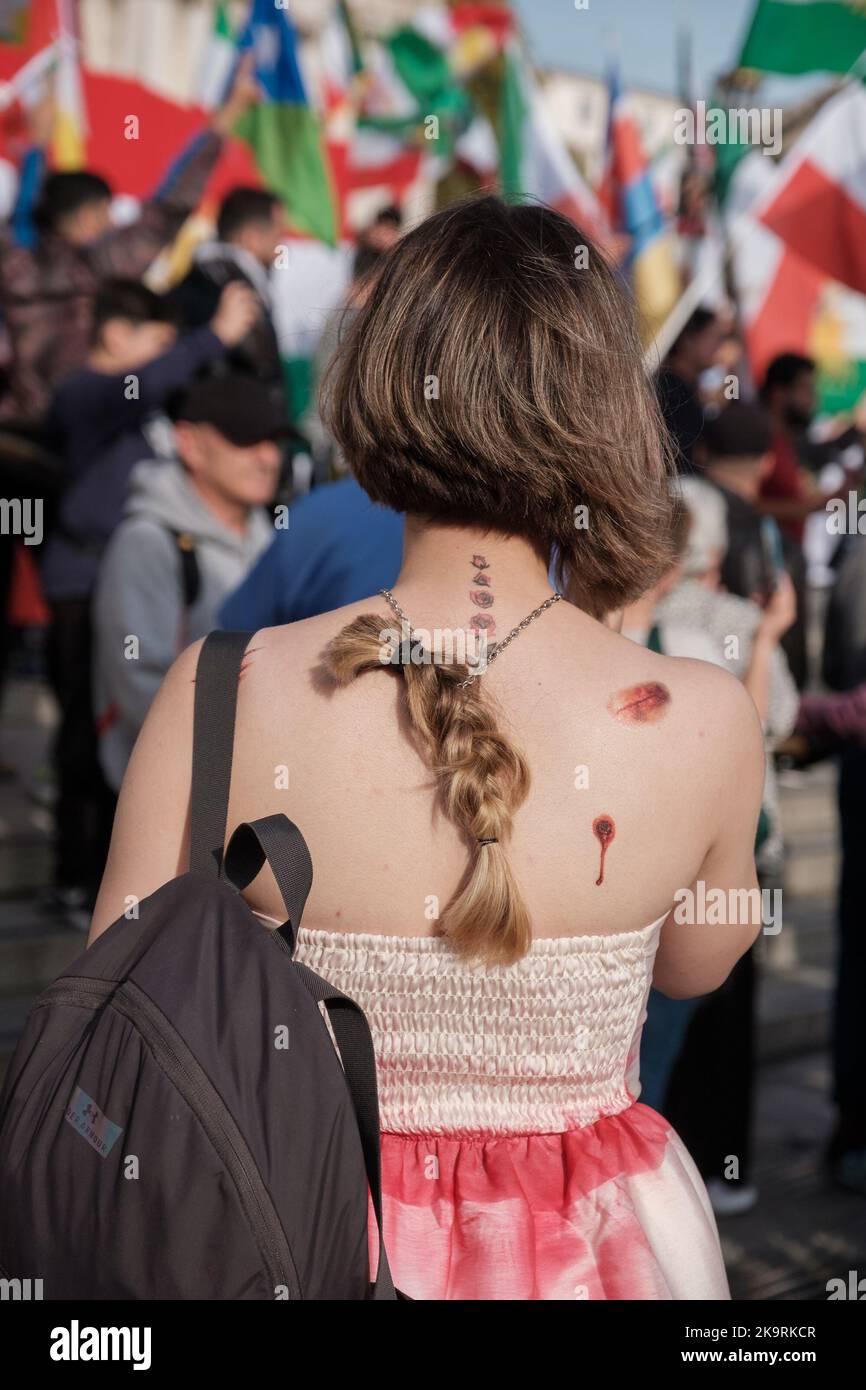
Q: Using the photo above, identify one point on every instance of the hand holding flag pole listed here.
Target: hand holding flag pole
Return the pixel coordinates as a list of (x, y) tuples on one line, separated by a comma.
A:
[(243, 93)]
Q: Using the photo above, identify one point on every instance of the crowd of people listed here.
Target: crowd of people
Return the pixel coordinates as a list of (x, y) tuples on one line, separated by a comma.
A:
[(157, 429), (755, 466)]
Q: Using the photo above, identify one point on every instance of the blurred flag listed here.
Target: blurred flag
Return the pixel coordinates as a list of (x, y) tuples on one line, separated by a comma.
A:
[(777, 292), (444, 43), (797, 36), (70, 132), (817, 206), (282, 130), (533, 160), (370, 168), (350, 32), (28, 81), (307, 288), (627, 195), (423, 65), (422, 70), (218, 61), (400, 109), (837, 341), (51, 46), (786, 304)]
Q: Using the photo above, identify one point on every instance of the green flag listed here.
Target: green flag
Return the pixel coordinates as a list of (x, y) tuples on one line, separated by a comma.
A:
[(797, 36)]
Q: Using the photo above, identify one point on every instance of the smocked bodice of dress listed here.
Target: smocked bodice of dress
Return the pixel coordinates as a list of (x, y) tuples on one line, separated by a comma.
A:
[(546, 1045)]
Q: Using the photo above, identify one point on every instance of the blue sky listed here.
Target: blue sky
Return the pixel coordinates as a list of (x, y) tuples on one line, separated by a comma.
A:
[(644, 32)]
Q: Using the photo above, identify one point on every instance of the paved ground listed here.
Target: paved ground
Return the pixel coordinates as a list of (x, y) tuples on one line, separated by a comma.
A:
[(803, 1231)]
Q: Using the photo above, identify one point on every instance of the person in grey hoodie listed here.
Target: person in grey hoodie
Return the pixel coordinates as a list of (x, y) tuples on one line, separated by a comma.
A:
[(191, 530)]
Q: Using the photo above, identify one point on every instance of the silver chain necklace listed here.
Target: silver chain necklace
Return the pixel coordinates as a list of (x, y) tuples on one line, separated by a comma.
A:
[(497, 647)]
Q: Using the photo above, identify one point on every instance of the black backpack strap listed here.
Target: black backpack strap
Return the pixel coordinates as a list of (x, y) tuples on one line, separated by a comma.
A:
[(355, 1042), (216, 693), (190, 575), (279, 841)]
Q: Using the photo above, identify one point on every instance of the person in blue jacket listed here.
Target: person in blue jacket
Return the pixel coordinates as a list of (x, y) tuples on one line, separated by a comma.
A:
[(338, 548)]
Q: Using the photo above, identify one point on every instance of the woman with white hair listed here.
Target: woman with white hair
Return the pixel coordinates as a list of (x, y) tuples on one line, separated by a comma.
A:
[(692, 616)]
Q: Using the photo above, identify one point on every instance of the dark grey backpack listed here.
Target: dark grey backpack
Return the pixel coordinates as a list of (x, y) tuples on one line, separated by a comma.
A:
[(175, 1123)]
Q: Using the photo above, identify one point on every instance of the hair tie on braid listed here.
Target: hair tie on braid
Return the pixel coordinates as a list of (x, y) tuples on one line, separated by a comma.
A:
[(489, 840)]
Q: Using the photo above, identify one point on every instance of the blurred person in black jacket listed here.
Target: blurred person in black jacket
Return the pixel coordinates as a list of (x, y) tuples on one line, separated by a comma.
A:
[(844, 668), (693, 353), (249, 227), (738, 457)]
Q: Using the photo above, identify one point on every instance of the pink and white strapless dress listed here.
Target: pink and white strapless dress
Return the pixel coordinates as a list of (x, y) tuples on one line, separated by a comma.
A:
[(517, 1162)]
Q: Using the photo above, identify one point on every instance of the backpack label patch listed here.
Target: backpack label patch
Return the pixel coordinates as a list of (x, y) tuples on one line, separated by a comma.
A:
[(86, 1117)]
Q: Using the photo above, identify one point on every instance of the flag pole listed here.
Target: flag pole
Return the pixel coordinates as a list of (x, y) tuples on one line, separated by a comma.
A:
[(28, 74), (701, 285)]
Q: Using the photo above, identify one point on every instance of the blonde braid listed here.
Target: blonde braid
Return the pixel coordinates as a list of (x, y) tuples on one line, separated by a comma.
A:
[(482, 779)]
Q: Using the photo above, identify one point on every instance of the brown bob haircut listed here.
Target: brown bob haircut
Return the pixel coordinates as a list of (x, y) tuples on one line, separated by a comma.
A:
[(493, 379), (489, 381)]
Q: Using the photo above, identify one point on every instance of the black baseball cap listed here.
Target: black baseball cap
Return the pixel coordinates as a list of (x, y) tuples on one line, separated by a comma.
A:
[(237, 405)]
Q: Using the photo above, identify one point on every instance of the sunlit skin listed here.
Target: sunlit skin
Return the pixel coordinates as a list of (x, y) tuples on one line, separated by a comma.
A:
[(262, 236), (640, 704), (231, 477), (87, 224)]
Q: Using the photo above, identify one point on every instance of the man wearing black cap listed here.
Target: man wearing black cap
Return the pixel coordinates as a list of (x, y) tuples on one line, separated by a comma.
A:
[(191, 531)]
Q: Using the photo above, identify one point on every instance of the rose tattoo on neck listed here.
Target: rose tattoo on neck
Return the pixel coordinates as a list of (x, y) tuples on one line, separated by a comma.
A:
[(482, 597)]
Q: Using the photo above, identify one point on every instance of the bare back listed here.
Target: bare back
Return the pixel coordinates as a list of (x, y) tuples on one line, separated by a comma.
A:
[(646, 774), (541, 441)]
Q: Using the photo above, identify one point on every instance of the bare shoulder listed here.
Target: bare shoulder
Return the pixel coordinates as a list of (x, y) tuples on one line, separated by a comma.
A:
[(702, 682), (149, 842), (308, 631), (173, 703), (712, 713), (692, 702), (301, 643)]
